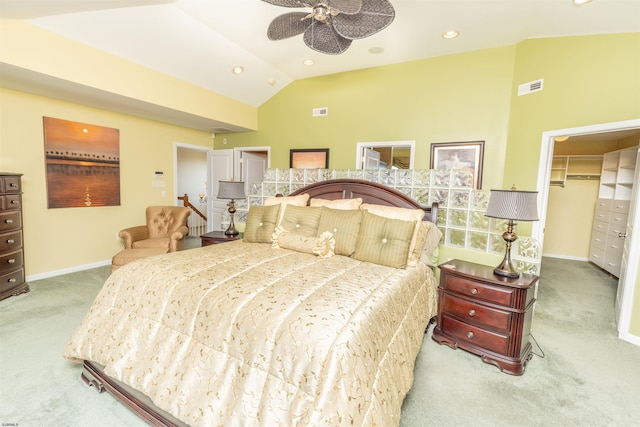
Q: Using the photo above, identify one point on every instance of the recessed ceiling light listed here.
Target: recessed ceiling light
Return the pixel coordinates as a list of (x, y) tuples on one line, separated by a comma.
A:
[(376, 49), (450, 34), (308, 62), (237, 69), (579, 2), (271, 81)]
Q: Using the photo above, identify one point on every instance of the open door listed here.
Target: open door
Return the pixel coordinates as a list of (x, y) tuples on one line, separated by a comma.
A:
[(630, 251), (371, 158), (253, 164), (220, 168)]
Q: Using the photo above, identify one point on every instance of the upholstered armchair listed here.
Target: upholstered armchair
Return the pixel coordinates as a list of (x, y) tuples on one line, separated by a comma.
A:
[(166, 228)]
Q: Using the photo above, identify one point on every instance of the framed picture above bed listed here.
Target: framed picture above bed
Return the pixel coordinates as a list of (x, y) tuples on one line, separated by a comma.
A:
[(309, 158), (459, 155)]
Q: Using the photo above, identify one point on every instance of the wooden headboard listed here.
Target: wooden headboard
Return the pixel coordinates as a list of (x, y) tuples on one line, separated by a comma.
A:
[(369, 192)]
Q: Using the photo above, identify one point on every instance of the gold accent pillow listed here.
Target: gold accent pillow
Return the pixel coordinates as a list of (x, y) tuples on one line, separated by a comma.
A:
[(323, 246), (405, 214), (344, 225), (384, 241), (301, 220), (427, 241), (343, 204), (299, 200), (261, 222)]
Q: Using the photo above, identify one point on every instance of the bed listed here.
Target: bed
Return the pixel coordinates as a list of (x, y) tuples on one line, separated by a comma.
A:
[(287, 327)]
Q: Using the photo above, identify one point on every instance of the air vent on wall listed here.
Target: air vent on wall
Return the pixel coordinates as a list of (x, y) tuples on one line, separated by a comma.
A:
[(324, 111), (527, 88)]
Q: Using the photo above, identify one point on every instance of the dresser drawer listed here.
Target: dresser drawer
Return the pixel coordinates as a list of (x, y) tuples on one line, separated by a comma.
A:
[(602, 215), (10, 241), (10, 221), (9, 280), (10, 202), (476, 290), (10, 184), (476, 313), (11, 261), (603, 204), (598, 240), (600, 226), (488, 340), (617, 225), (620, 206)]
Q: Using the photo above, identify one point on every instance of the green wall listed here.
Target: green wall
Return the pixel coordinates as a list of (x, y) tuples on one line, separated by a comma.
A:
[(453, 98), (466, 97)]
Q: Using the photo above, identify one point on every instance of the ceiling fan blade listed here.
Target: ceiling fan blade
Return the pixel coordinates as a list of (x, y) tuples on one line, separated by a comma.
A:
[(288, 3), (322, 38), (288, 25), (374, 16), (349, 7)]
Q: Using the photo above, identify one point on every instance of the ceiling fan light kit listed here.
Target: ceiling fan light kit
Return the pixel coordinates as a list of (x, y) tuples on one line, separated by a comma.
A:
[(331, 25)]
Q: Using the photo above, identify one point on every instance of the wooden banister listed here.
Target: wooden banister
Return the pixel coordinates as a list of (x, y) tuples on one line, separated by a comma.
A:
[(187, 204)]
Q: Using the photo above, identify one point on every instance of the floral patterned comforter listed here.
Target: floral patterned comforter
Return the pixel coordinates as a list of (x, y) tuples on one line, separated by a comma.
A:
[(241, 334)]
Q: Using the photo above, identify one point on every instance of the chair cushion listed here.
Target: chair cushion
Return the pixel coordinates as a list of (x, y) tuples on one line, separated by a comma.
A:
[(158, 242), (128, 255)]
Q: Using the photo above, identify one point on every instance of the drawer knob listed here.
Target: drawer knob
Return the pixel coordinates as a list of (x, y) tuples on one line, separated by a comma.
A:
[(8, 221), (470, 335), (13, 184), (474, 291), (10, 241), (11, 260), (14, 202), (13, 280), (472, 313)]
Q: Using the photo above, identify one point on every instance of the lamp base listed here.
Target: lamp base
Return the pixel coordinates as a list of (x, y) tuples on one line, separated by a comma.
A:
[(506, 268), (505, 272), (231, 231)]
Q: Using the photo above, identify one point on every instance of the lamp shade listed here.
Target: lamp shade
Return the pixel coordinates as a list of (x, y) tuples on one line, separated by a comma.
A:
[(513, 204), (231, 190)]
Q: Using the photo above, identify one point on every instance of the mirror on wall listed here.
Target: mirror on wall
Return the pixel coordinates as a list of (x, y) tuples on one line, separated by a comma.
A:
[(385, 155)]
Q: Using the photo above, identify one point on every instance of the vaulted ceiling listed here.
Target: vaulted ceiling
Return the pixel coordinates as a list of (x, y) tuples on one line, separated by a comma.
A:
[(200, 41)]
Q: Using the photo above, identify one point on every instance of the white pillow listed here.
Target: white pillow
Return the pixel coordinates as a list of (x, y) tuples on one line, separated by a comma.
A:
[(299, 200), (342, 204)]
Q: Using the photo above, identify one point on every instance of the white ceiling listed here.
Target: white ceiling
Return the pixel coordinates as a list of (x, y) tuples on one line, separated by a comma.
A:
[(201, 40)]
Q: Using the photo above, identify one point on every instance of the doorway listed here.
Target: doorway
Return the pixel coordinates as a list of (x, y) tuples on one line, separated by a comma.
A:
[(628, 276)]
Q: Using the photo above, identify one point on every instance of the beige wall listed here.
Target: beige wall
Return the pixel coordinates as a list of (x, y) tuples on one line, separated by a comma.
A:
[(58, 239)]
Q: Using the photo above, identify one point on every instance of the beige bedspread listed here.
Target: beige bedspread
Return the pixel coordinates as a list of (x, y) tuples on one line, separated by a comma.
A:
[(240, 334)]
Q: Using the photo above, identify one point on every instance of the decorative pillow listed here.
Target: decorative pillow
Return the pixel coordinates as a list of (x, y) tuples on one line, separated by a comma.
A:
[(322, 246), (384, 241), (299, 200), (427, 242), (344, 225), (405, 214), (344, 204), (301, 220), (261, 222)]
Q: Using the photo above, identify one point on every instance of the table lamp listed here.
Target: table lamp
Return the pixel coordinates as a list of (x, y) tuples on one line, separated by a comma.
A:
[(512, 205), (231, 190)]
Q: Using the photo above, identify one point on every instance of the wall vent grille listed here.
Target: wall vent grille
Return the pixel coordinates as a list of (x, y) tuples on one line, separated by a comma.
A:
[(318, 112), (527, 88)]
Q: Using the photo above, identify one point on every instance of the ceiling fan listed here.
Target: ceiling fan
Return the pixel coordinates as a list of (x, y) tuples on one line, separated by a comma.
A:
[(331, 25)]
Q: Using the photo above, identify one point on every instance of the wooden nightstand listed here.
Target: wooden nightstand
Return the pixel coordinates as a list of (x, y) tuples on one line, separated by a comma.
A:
[(486, 314), (215, 237)]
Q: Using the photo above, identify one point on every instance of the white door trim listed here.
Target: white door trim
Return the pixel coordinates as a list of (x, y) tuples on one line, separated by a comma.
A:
[(237, 158), (544, 174)]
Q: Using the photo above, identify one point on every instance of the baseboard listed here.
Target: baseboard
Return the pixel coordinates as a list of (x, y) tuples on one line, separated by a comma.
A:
[(572, 258), (67, 270), (633, 339)]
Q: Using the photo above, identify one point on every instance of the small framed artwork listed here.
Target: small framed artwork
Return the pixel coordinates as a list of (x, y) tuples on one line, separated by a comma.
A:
[(311, 158), (459, 155)]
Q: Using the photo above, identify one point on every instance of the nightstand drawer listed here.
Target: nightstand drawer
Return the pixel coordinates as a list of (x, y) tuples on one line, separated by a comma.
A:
[(476, 290), (476, 313), (10, 280), (488, 340)]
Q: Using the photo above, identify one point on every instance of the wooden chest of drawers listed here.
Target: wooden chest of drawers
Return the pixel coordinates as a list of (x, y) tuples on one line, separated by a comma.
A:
[(12, 277), (486, 314)]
